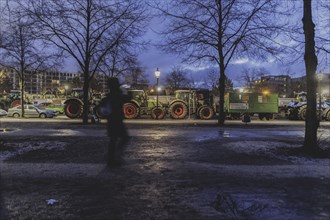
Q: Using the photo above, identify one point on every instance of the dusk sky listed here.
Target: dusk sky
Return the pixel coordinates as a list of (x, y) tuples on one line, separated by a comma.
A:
[(153, 57)]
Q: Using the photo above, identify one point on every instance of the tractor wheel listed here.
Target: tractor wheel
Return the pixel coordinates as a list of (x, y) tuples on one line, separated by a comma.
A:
[(261, 116), (131, 111), (235, 116), (293, 114), (98, 112), (15, 103), (327, 116), (302, 112), (269, 116), (197, 112), (178, 110), (157, 113), (73, 109), (206, 113), (282, 112)]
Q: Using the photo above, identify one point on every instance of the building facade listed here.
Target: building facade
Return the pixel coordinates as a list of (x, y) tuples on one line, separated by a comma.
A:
[(41, 82), (280, 84), (286, 86)]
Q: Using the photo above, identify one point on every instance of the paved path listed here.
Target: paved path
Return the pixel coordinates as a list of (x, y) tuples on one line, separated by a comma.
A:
[(89, 170)]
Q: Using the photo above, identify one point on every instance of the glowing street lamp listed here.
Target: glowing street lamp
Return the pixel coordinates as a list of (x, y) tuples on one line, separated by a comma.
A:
[(157, 74), (265, 92)]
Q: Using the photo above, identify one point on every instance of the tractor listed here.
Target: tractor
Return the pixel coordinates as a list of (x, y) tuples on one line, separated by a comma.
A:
[(73, 106), (139, 104), (178, 107), (205, 104), (187, 102), (298, 108), (326, 111), (11, 100), (298, 111)]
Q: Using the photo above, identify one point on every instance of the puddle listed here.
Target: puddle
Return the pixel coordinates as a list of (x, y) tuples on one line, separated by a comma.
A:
[(225, 134)]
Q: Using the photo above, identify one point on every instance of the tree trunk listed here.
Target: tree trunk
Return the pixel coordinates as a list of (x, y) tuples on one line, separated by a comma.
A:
[(221, 63), (86, 64), (22, 96), (22, 88), (312, 123), (86, 97), (222, 116)]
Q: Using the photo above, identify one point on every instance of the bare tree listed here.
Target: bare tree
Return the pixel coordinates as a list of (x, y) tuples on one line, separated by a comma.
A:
[(216, 31), (311, 125), (22, 51), (321, 9), (117, 62), (122, 58), (229, 85), (88, 30), (136, 75), (212, 82), (176, 79), (249, 76), (322, 40)]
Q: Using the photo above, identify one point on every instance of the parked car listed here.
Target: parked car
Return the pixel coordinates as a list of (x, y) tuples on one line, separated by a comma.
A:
[(58, 108), (3, 113), (31, 111)]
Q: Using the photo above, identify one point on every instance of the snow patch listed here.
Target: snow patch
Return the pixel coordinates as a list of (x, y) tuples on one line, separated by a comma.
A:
[(256, 147), (24, 147), (268, 148)]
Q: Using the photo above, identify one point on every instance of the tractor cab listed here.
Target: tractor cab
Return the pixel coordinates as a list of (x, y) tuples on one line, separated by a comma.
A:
[(203, 97), (14, 94), (139, 96), (185, 95), (77, 93)]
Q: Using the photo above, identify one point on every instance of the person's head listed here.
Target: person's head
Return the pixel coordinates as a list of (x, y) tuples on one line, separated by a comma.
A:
[(113, 84)]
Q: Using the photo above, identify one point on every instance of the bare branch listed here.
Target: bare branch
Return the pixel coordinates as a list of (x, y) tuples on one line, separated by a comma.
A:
[(88, 30)]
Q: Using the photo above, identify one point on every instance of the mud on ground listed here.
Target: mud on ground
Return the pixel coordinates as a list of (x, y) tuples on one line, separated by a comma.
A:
[(166, 175)]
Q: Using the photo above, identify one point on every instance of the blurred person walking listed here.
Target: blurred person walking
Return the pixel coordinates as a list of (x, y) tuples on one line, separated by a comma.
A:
[(116, 129)]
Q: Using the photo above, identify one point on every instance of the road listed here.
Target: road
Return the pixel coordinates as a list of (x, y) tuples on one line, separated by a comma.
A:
[(233, 128), (255, 120)]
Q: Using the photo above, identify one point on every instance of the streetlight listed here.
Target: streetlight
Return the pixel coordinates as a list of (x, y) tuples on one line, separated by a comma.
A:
[(157, 74), (265, 92)]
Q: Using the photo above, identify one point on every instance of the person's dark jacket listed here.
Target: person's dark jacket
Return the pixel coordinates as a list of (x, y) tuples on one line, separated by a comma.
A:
[(115, 118)]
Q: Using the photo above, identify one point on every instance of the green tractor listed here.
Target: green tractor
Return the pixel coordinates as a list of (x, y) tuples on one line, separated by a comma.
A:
[(73, 106), (188, 102), (205, 104), (10, 100), (178, 107), (139, 104)]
